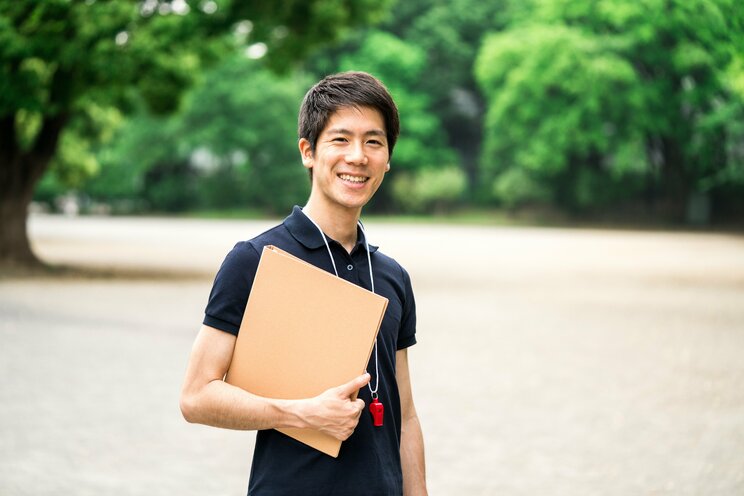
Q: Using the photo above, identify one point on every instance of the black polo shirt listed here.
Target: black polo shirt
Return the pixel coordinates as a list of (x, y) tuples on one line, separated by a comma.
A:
[(369, 461)]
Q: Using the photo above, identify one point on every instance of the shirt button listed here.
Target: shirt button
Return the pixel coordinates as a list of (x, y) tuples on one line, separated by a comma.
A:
[(349, 267)]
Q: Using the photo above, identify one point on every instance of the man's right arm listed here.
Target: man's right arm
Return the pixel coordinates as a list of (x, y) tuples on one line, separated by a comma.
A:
[(207, 399)]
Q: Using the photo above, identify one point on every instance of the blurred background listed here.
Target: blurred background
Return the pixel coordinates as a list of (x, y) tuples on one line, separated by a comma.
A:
[(578, 164)]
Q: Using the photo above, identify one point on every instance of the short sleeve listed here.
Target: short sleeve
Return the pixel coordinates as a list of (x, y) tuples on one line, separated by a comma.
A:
[(407, 332), (231, 288)]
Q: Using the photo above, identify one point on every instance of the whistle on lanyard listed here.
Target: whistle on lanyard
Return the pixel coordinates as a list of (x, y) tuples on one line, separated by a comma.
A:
[(377, 410)]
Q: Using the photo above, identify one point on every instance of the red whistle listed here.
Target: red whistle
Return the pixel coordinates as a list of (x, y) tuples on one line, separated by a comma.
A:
[(376, 409)]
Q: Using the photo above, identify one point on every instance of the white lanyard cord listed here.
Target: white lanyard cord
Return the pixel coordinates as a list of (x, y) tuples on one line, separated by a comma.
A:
[(372, 281)]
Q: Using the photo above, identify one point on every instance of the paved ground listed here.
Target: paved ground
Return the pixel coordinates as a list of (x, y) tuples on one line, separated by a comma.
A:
[(550, 361)]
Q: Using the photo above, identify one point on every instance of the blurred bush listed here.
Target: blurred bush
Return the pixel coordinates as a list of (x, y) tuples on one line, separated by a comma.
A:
[(515, 188), (429, 189)]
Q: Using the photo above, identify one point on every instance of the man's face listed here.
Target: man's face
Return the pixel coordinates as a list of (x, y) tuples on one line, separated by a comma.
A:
[(350, 159)]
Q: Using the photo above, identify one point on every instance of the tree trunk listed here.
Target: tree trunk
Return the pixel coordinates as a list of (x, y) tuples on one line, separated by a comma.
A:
[(667, 185), (20, 171), (675, 183), (15, 248)]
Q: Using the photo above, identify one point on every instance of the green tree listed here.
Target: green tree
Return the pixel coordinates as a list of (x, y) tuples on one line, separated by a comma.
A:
[(450, 34), (233, 144), (59, 57), (446, 37), (143, 167), (555, 113), (669, 62), (244, 115)]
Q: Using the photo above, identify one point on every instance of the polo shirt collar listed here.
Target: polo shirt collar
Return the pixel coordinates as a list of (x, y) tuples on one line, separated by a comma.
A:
[(304, 231)]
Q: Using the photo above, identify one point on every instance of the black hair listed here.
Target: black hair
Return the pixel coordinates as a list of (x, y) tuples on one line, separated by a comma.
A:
[(346, 89)]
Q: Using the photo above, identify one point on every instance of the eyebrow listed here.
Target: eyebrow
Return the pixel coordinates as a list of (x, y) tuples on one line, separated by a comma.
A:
[(371, 132)]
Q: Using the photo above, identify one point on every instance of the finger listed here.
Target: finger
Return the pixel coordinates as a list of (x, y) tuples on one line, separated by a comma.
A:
[(353, 385), (360, 406)]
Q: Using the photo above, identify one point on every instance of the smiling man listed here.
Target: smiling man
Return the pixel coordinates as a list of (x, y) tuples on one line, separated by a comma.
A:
[(348, 126)]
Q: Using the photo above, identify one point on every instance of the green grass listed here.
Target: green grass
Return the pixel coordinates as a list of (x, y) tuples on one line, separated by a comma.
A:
[(538, 217), (470, 217), (231, 213), (493, 217)]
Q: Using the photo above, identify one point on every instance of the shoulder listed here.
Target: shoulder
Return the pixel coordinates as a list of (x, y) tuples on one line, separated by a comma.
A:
[(243, 251), (394, 275), (278, 235), (250, 250), (390, 265), (246, 254)]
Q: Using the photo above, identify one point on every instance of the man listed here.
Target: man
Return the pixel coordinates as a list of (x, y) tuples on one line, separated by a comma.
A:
[(348, 126)]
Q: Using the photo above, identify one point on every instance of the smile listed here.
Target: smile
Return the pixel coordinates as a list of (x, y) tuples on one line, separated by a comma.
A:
[(353, 179)]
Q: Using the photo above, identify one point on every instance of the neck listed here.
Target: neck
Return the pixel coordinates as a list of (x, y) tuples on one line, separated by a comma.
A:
[(339, 223)]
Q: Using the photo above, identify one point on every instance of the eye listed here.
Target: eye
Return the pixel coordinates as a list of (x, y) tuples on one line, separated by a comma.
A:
[(375, 142), (339, 139)]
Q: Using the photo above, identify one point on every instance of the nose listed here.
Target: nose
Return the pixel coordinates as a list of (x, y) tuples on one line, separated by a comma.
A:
[(355, 154)]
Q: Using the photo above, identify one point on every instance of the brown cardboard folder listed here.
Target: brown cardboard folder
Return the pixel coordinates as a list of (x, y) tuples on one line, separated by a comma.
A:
[(304, 330)]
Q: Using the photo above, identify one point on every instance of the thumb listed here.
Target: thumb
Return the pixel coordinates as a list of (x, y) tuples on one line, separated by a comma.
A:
[(353, 385)]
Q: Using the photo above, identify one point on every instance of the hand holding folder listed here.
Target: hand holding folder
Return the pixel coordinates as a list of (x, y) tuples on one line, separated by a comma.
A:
[(304, 332), (339, 407)]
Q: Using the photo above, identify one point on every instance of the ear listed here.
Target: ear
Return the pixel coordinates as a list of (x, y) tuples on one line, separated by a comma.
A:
[(306, 152), (387, 167)]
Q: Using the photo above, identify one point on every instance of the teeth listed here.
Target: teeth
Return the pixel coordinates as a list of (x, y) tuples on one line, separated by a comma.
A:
[(353, 179)]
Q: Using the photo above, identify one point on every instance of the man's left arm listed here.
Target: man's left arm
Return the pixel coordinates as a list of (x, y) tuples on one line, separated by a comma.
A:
[(411, 438)]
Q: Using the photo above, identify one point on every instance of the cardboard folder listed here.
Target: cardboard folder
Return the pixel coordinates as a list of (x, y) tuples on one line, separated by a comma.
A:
[(304, 331)]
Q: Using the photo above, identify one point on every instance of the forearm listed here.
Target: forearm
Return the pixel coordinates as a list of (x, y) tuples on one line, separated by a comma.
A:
[(412, 457), (220, 404), (207, 399)]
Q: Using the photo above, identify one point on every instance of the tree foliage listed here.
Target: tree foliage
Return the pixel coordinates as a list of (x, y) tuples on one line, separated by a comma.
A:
[(232, 145), (450, 34), (554, 109), (580, 104), (55, 54), (234, 142), (610, 79), (59, 58)]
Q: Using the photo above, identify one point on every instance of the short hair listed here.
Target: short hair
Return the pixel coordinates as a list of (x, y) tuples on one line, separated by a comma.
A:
[(346, 89)]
